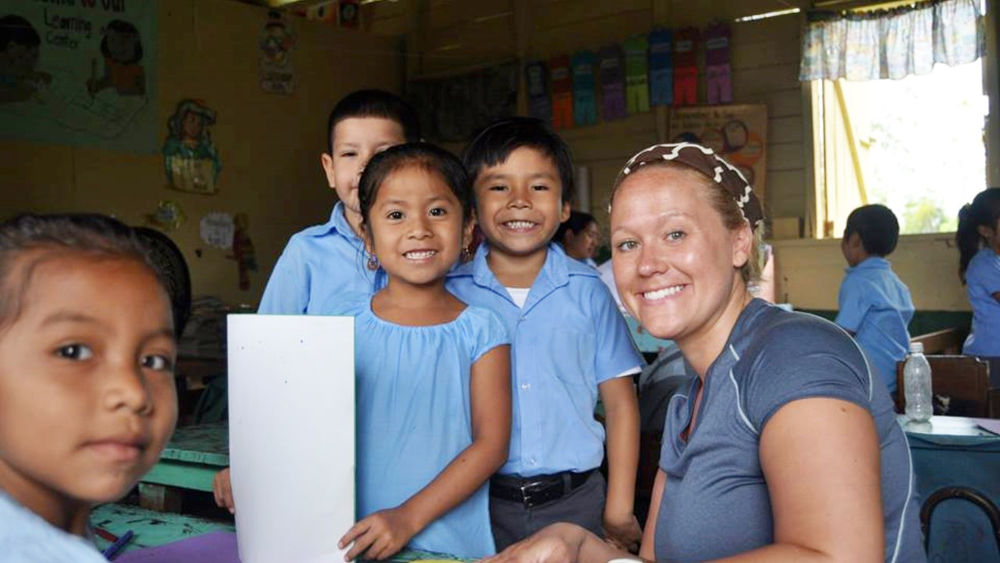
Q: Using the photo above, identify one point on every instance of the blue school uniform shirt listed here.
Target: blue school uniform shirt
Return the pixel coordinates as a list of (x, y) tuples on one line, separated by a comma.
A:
[(414, 415), (317, 263), (568, 339), (982, 280), (716, 501), (26, 537), (876, 307)]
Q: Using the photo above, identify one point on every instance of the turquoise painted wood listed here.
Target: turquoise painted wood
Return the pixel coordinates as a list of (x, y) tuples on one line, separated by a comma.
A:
[(192, 457), (150, 528)]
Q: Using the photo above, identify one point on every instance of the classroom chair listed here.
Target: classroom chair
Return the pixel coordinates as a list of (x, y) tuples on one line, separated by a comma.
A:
[(967, 494), (963, 380)]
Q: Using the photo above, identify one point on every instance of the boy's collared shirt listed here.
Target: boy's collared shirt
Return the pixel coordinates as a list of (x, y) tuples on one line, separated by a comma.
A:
[(877, 307), (319, 262), (567, 339), (26, 537)]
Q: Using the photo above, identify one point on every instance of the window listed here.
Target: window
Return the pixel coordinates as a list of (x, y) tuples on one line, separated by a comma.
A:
[(915, 145)]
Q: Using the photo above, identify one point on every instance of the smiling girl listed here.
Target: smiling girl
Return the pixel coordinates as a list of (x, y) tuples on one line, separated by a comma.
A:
[(433, 375)]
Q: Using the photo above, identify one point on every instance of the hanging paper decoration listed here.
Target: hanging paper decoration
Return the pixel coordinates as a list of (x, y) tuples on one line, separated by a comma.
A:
[(562, 92), (720, 85), (274, 66), (217, 230), (537, 80), (584, 88), (167, 216), (661, 67), (612, 83), (190, 159), (349, 13), (685, 66), (243, 251), (636, 73)]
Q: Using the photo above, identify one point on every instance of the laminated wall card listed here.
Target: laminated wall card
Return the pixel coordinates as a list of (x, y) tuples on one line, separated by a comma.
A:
[(291, 435)]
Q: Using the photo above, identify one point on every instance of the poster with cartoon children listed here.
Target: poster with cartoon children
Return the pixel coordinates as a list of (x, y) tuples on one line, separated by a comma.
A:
[(122, 52), (80, 73), (189, 156), (19, 44)]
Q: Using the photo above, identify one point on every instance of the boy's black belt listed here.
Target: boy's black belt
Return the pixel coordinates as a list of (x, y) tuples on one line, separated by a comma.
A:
[(537, 490)]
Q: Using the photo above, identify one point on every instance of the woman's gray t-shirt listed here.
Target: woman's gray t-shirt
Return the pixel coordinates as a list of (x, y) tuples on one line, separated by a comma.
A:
[(715, 503)]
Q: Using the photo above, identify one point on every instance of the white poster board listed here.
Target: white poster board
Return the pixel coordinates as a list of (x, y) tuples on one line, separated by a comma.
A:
[(291, 435)]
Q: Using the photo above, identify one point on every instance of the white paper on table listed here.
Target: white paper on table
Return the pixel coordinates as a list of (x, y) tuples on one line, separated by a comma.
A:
[(291, 435)]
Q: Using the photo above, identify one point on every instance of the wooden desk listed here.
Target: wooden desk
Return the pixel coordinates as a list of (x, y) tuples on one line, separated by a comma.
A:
[(190, 461), (154, 529), (151, 528)]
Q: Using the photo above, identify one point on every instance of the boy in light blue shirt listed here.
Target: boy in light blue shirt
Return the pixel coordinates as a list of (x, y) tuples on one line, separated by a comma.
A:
[(327, 259), (569, 344), (875, 306)]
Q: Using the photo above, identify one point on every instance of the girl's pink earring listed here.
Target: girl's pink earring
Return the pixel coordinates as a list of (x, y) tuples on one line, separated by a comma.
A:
[(372, 262)]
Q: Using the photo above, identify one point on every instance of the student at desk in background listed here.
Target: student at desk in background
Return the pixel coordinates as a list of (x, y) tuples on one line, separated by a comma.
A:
[(326, 260), (875, 306), (569, 344), (87, 397), (433, 374), (978, 240)]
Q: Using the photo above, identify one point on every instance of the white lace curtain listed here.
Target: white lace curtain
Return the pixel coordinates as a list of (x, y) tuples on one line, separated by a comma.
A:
[(891, 43)]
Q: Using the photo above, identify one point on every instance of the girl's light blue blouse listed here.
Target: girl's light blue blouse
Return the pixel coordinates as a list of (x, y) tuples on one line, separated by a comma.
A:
[(414, 415), (27, 538), (982, 280)]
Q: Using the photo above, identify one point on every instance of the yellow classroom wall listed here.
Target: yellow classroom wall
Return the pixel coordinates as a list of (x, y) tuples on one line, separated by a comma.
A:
[(269, 144), (456, 36)]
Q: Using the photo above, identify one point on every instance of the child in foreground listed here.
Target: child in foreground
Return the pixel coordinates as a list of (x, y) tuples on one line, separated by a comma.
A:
[(570, 345), (87, 396), (875, 306), (433, 374)]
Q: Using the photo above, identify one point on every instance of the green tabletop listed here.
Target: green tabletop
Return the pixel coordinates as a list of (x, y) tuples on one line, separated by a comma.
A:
[(150, 528)]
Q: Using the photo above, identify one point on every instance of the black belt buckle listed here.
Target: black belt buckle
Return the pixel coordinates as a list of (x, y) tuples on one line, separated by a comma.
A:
[(535, 493)]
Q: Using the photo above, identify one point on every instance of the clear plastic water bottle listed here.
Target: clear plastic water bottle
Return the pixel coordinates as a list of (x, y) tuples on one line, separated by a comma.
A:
[(917, 384)]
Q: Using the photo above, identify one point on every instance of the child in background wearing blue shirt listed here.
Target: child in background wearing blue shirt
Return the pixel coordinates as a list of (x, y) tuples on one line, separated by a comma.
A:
[(875, 306), (978, 240), (433, 374), (87, 398), (569, 344), (326, 260)]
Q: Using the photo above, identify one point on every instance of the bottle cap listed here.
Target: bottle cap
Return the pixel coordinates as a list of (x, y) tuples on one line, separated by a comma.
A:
[(916, 347)]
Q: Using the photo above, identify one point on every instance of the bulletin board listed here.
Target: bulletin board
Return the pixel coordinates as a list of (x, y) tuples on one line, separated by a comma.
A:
[(737, 132), (81, 73)]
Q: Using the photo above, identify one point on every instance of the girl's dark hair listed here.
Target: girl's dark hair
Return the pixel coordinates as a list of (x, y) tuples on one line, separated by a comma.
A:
[(126, 28), (423, 155), (374, 103), (984, 211), (78, 233), (494, 143), (578, 221)]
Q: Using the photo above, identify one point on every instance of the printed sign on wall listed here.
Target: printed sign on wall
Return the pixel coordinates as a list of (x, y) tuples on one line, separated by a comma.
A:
[(79, 72), (738, 133), (274, 66)]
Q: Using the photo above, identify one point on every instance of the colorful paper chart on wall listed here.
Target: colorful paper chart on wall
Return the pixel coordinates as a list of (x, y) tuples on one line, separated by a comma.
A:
[(737, 132), (80, 73)]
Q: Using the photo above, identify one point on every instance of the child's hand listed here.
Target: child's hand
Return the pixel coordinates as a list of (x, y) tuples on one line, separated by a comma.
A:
[(223, 491), (379, 535), (623, 532)]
